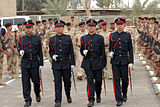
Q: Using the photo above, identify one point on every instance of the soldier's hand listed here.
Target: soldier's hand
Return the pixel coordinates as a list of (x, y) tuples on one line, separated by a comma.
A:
[(73, 68), (85, 52), (111, 54), (21, 52), (41, 68), (130, 66), (55, 57)]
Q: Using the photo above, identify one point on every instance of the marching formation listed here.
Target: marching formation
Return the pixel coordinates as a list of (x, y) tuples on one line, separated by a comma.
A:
[(88, 48)]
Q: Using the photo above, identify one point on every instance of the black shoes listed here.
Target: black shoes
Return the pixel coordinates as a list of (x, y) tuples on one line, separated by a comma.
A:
[(28, 103), (38, 98), (119, 103), (98, 99), (69, 99), (57, 105), (90, 104), (125, 98)]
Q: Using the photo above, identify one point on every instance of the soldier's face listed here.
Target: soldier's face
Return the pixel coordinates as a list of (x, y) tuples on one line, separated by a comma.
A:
[(120, 27), (128, 24), (82, 27), (112, 25), (51, 21), (9, 28), (20, 27), (104, 27), (59, 29), (91, 28), (29, 30)]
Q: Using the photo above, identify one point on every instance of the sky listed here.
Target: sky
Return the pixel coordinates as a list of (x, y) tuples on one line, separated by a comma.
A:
[(93, 3)]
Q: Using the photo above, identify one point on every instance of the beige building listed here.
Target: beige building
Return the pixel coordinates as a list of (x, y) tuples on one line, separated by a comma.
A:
[(8, 8)]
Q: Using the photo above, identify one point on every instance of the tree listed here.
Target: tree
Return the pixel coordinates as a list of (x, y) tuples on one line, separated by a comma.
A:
[(30, 5), (109, 3), (87, 5), (55, 6)]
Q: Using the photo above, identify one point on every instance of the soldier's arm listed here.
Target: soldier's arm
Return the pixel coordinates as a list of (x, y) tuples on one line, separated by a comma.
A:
[(72, 53), (40, 53), (130, 50), (103, 52), (110, 44), (82, 47), (50, 48)]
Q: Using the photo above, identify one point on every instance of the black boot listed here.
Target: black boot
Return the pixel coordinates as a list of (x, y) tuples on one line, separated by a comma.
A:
[(57, 104), (28, 103), (119, 103), (90, 104), (125, 98), (69, 99), (38, 98), (98, 99)]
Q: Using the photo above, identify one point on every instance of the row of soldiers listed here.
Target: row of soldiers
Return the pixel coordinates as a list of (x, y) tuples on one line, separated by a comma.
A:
[(89, 45), (45, 30), (62, 51), (149, 44)]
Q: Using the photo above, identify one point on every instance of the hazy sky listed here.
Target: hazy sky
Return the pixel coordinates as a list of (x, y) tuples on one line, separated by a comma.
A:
[(124, 1)]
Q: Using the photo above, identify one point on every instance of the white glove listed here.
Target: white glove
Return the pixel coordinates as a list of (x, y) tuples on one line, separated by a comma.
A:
[(85, 52), (111, 54), (73, 68), (55, 57), (41, 68), (130, 65), (21, 52)]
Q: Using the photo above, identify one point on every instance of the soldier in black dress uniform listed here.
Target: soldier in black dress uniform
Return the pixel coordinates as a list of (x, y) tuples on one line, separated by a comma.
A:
[(94, 61), (121, 52), (32, 61), (63, 61)]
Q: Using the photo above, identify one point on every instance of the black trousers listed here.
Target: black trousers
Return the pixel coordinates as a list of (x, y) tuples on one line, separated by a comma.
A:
[(120, 71), (94, 83), (58, 75), (33, 74)]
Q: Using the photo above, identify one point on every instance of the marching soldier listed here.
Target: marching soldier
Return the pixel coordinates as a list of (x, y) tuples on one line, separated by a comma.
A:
[(104, 32), (63, 61), (94, 61), (10, 42), (30, 49), (79, 57), (121, 52)]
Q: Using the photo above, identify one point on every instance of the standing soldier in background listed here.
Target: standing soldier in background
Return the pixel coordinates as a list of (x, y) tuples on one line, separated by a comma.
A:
[(11, 47), (121, 53), (94, 61), (112, 27), (79, 57), (30, 49), (38, 28), (99, 26), (20, 33), (50, 23), (104, 32), (63, 62), (2, 52)]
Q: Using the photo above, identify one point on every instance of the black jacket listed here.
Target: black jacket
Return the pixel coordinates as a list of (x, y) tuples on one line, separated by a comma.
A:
[(63, 47), (121, 45), (33, 56), (96, 57)]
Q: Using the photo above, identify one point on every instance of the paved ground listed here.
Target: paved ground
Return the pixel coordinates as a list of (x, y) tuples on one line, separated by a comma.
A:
[(143, 94)]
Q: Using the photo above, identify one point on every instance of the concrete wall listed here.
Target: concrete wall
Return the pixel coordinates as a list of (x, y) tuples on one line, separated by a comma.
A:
[(7, 8)]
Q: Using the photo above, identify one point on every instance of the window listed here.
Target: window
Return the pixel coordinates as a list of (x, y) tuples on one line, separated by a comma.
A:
[(7, 21), (18, 20)]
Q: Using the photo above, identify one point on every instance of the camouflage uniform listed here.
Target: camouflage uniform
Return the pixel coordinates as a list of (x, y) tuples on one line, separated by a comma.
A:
[(79, 57), (1, 62), (108, 68), (12, 59)]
